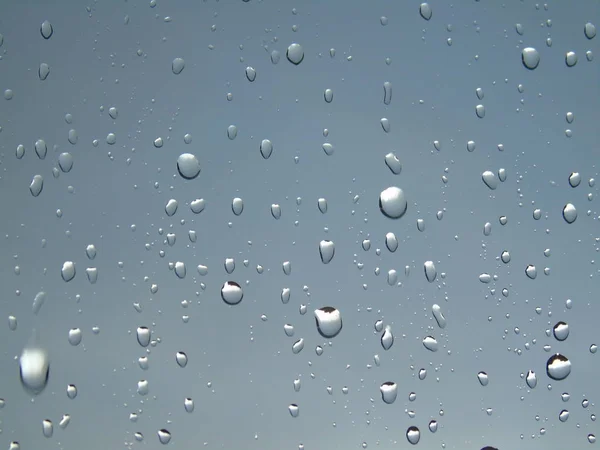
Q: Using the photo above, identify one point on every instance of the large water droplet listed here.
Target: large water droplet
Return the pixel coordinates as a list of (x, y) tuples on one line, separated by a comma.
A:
[(413, 435), (480, 111), (231, 293), (328, 148), (198, 205), (569, 213), (327, 251), (570, 59), (143, 336), (436, 310), (393, 203), (561, 331), (425, 11), (164, 436), (68, 271), (391, 242), (489, 178), (180, 269), (574, 179), (385, 124), (563, 416), (181, 359), (34, 369), (389, 392), (531, 379), (75, 336), (483, 378), (433, 426), (71, 391), (387, 338), (188, 166), (393, 163), (276, 211), (178, 65), (589, 29), (46, 29), (530, 58), (531, 271), (322, 205), (65, 162), (237, 206), (431, 344), (430, 271), (558, 367), (266, 148), (47, 428), (328, 95), (329, 322), (294, 410), (188, 404), (37, 185), (285, 295), (250, 74), (295, 53)]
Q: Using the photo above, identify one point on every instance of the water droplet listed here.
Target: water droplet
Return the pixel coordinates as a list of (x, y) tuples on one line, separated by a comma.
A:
[(433, 426), (563, 416), (180, 269), (471, 146), (558, 367), (143, 336), (198, 205), (164, 436), (393, 203), (188, 404), (389, 392), (111, 139), (327, 251), (569, 213), (485, 278), (43, 71), (422, 374), (391, 242), (276, 211), (71, 391), (425, 11), (329, 322), (430, 271), (431, 344), (531, 379), (34, 369), (569, 117), (294, 410), (188, 166), (530, 58), (46, 29), (231, 293), (436, 310), (250, 74), (378, 325), (37, 185), (489, 178), (75, 336), (275, 56), (12, 326), (480, 111), (41, 149), (171, 207), (287, 267), (68, 271), (181, 359), (591, 438), (561, 331), (570, 59), (589, 30), (295, 53), (298, 346), (393, 163), (387, 338), (285, 295), (387, 93), (322, 205), (288, 329), (232, 132), (385, 124), (392, 277), (593, 348), (328, 95), (47, 428), (237, 206), (437, 145), (266, 148), (178, 65), (328, 148), (413, 435), (520, 29), (531, 271)]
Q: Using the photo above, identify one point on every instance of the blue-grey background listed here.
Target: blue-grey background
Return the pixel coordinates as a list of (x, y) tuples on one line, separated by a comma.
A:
[(241, 368)]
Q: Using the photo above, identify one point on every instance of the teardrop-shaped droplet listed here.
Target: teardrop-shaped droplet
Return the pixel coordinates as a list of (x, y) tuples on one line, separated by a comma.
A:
[(188, 166), (558, 367), (250, 74), (41, 149), (391, 242), (489, 178), (531, 379), (287, 267), (436, 310), (181, 359), (65, 162), (177, 65), (329, 321), (561, 331), (276, 211), (385, 124), (425, 11), (37, 185), (266, 148), (389, 392), (68, 271), (34, 369), (295, 53), (71, 391), (387, 338), (530, 58), (75, 336), (237, 206), (322, 205), (393, 203), (430, 271), (231, 293), (143, 336), (483, 378), (393, 163), (431, 344), (569, 213), (328, 148), (46, 30), (574, 179), (413, 435), (327, 251)]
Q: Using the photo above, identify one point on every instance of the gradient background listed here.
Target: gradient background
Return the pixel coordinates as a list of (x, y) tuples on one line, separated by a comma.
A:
[(241, 369)]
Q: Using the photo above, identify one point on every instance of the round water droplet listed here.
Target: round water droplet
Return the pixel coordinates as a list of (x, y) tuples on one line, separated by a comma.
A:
[(181, 359), (178, 65), (37, 185), (393, 203), (569, 213), (266, 148), (43, 71), (232, 132), (231, 293), (561, 331), (480, 111), (436, 310), (413, 435), (68, 271), (295, 53), (387, 93), (489, 178), (530, 58), (250, 74), (237, 206), (328, 148), (164, 436), (430, 271), (393, 163), (425, 11), (531, 271), (75, 336), (558, 367), (431, 344), (46, 29), (328, 95), (329, 322), (387, 338), (570, 59), (593, 348), (589, 29), (327, 251), (198, 205), (188, 166), (389, 392)]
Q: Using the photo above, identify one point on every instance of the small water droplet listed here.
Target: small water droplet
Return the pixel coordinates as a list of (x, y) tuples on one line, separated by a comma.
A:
[(589, 29), (563, 416), (295, 53), (285, 295), (328, 148), (68, 271), (143, 336), (480, 111), (298, 346), (65, 162), (237, 206), (276, 211), (178, 65), (483, 378), (171, 207), (266, 148), (329, 322), (436, 310), (322, 205), (471, 146), (71, 391), (198, 205), (558, 367), (327, 251), (46, 30), (47, 428), (387, 93), (385, 124), (294, 410), (287, 267), (489, 178), (530, 58), (433, 426), (430, 271), (231, 293), (569, 213)]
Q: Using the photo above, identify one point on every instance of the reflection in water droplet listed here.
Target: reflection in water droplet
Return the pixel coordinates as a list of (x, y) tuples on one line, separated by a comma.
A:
[(391, 242), (387, 338), (266, 148), (294, 410), (431, 344), (393, 203), (46, 29), (188, 166), (389, 392), (393, 163), (37, 185), (68, 271), (570, 59), (430, 271), (569, 213), (164, 436), (558, 367), (295, 54), (531, 379), (287, 267), (483, 378), (47, 428), (329, 322), (34, 369), (41, 149), (180, 269), (178, 65), (413, 435), (387, 93), (64, 422), (425, 11), (143, 336), (327, 251), (231, 293), (288, 329), (530, 58), (181, 359), (574, 179), (237, 206), (75, 336), (561, 331)]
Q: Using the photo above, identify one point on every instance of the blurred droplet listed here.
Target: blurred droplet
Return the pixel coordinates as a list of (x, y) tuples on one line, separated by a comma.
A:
[(47, 428), (164, 436), (387, 338), (480, 111), (46, 29), (43, 71), (436, 310), (589, 30), (328, 95), (276, 211), (71, 391), (431, 344), (181, 359), (232, 132), (250, 74), (387, 93), (178, 65), (322, 205)]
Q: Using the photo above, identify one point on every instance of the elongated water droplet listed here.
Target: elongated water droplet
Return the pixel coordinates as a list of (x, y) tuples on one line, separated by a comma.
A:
[(164, 436), (480, 111), (46, 30), (68, 271), (387, 338), (530, 58), (250, 74), (327, 251), (178, 65), (298, 346), (143, 336), (322, 205), (391, 242), (71, 391), (485, 278), (413, 435), (430, 271), (393, 203), (387, 93), (75, 336), (378, 325), (38, 301), (329, 321), (232, 132), (47, 428), (266, 148), (561, 331), (483, 378), (531, 379), (433, 426), (294, 410), (569, 213), (328, 148), (570, 59), (393, 163), (37, 185), (276, 211), (385, 124), (425, 11), (563, 416), (471, 146), (237, 206), (489, 178), (43, 71), (288, 329), (287, 267), (436, 310), (181, 359), (558, 367), (328, 95), (64, 422), (188, 166), (431, 344), (34, 369), (188, 404), (389, 392), (231, 293), (285, 295), (295, 53)]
